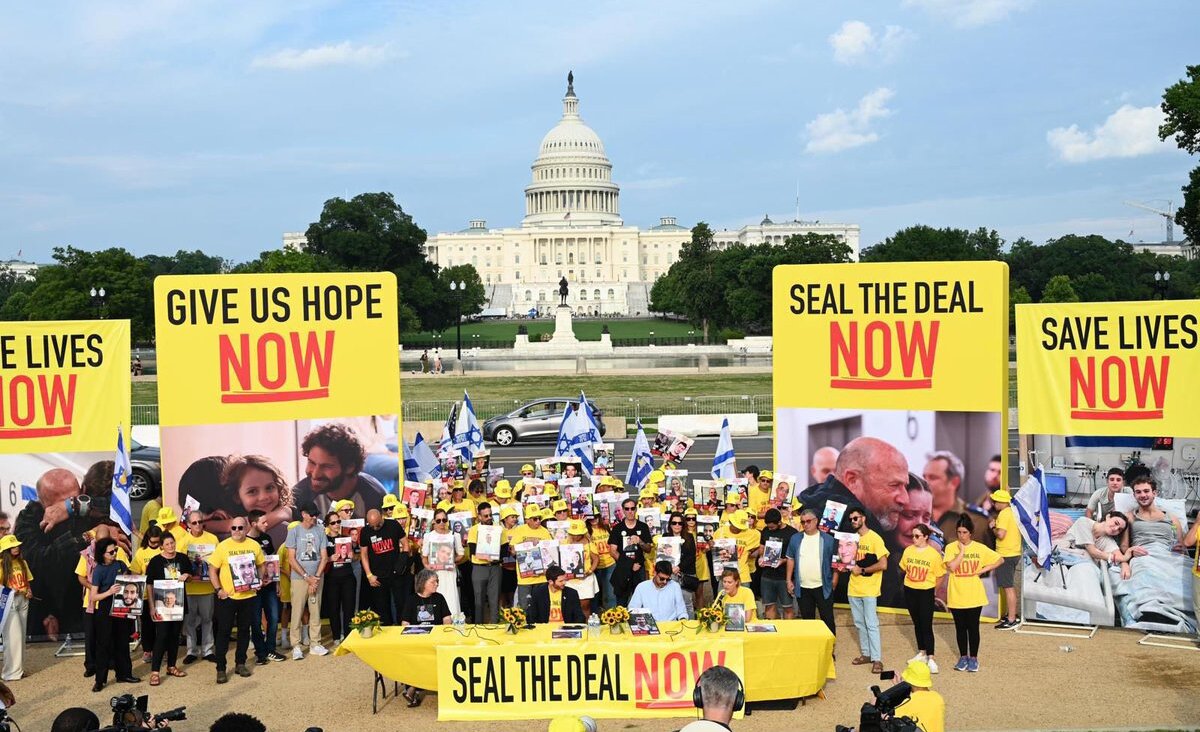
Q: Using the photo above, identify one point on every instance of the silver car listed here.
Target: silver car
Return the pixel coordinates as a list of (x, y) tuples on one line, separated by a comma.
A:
[(538, 420)]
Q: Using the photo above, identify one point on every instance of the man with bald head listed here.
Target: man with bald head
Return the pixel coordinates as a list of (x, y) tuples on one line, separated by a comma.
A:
[(824, 460), (385, 558)]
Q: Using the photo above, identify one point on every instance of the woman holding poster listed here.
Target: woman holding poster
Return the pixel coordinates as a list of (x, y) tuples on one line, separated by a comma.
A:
[(967, 559), (15, 576), (168, 565), (111, 634), (441, 550)]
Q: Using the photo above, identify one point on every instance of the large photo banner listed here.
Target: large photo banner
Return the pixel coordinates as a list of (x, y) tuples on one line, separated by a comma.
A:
[(64, 392), (1110, 423), (277, 390), (891, 394)]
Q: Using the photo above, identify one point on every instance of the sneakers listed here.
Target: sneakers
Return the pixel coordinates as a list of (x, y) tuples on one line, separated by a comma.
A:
[(918, 657), (211, 658), (222, 677), (933, 669), (260, 661), (1006, 624), (297, 653), (962, 664), (273, 656), (972, 664), (317, 649), (243, 670)]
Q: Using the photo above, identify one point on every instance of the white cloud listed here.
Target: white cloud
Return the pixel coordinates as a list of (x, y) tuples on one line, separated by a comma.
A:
[(856, 43), (1127, 133), (970, 13), (841, 130), (340, 54)]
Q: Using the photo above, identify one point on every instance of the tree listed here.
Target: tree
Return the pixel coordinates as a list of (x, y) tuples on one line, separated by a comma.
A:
[(1059, 289), (1181, 107), (63, 289), (1016, 296), (1188, 215), (1032, 266), (471, 301), (281, 261), (14, 293), (927, 244), (700, 292), (185, 263)]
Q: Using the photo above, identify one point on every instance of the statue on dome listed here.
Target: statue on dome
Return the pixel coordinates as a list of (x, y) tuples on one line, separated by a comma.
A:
[(570, 82), (562, 291)]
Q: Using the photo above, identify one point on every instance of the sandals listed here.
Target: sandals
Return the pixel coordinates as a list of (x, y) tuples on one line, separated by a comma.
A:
[(861, 660), (173, 671), (877, 667), (155, 679)]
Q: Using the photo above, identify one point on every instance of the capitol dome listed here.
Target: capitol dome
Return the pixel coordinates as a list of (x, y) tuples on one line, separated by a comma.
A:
[(572, 175)]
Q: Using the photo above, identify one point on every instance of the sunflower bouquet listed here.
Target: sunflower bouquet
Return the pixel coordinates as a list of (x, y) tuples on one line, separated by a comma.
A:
[(514, 617), (365, 622), (615, 618), (711, 618)]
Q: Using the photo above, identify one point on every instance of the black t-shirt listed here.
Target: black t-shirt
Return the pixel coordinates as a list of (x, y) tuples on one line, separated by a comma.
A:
[(339, 568), (618, 534), (161, 568), (268, 547), (383, 547), (430, 610), (785, 534)]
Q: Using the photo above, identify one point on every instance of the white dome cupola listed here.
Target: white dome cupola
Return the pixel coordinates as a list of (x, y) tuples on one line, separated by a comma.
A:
[(572, 176)]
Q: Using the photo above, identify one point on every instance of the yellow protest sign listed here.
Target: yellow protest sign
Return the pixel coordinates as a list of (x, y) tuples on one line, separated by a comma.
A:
[(1113, 368), (242, 348), (929, 335), (64, 385)]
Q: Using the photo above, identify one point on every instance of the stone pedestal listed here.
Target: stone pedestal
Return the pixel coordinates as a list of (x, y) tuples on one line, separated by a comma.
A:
[(564, 335)]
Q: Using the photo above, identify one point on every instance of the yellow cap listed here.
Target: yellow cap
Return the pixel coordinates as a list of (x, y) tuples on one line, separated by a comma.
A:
[(344, 505), (796, 504), (503, 489), (458, 485), (506, 511), (656, 476), (733, 497), (400, 511), (1001, 496), (691, 512), (559, 505), (917, 674), (612, 480), (740, 520), (390, 501), (166, 515), (8, 542), (547, 514), (552, 490), (648, 492), (766, 474), (527, 468), (533, 511), (567, 724), (577, 528)]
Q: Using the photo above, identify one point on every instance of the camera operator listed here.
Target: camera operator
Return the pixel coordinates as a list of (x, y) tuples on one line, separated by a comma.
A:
[(75, 719), (926, 707)]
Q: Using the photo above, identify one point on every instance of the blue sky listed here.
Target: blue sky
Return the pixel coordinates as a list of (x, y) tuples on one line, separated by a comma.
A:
[(165, 124)]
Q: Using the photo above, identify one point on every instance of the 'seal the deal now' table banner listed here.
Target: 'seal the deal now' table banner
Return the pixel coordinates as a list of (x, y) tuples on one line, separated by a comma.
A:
[(1110, 368)]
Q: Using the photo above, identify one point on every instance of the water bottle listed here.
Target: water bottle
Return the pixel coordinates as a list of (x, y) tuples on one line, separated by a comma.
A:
[(594, 626), (459, 620)]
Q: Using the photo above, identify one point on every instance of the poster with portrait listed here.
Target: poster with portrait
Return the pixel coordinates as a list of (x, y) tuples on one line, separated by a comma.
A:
[(460, 524), (270, 568), (276, 391), (198, 555), (649, 515), (438, 550), (571, 559), (529, 559), (603, 456), (897, 375), (487, 542), (706, 526), (414, 494), (676, 487), (244, 572), (670, 549), (662, 442), (847, 550), (127, 603), (707, 494), (783, 487), (167, 596), (679, 449)]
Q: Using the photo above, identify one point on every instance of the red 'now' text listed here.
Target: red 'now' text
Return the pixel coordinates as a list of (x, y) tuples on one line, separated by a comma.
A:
[(265, 373), (883, 355), (666, 681), (41, 406), (1112, 381)]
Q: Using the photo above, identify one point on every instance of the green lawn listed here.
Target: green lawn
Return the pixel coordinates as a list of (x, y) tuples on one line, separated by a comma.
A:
[(585, 330), (597, 387)]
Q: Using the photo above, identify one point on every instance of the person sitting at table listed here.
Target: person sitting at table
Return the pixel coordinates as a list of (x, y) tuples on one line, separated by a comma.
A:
[(426, 607), (661, 595), (733, 593), (554, 602)]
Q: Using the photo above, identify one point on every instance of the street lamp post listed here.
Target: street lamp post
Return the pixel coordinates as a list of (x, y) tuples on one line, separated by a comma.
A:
[(461, 289), (1162, 281), (98, 296)]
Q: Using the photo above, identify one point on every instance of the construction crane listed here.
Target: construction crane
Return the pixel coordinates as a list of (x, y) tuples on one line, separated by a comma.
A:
[(1168, 215)]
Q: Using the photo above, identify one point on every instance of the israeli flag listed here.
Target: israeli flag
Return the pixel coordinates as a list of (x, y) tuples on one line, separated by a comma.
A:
[(468, 438), (447, 441), (426, 463), (577, 433), (1033, 516), (724, 463), (641, 462), (118, 507)]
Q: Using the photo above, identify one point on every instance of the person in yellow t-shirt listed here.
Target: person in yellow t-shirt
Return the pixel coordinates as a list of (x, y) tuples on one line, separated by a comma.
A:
[(967, 559), (235, 572), (16, 576), (925, 707), (604, 562), (508, 562), (923, 567), (759, 494), (196, 545), (749, 543), (531, 530), (1008, 545), (703, 575), (734, 593), (169, 522), (866, 581), (149, 513), (485, 571)]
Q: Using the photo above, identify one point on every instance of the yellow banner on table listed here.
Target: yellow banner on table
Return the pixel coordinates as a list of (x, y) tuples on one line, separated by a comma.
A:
[(891, 336), (64, 385), (1111, 368), (612, 679), (266, 347)]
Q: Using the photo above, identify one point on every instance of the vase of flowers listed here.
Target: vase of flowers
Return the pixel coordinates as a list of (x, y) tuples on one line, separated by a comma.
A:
[(711, 619), (365, 622), (616, 619), (514, 618)]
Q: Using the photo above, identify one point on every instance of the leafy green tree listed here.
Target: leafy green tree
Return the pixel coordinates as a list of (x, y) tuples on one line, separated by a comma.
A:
[(748, 290), (471, 302), (1059, 289), (280, 261), (1016, 296), (927, 244), (63, 289), (1181, 106), (1032, 266), (1188, 215), (185, 263), (14, 289)]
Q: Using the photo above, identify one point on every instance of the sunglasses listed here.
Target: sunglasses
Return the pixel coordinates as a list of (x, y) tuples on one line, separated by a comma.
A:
[(194, 523), (237, 528), (630, 507), (805, 522), (676, 523), (917, 535), (335, 523), (439, 521), (110, 553)]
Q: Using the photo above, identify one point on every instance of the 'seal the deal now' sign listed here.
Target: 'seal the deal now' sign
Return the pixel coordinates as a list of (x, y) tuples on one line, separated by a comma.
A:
[(928, 335), (256, 348), (1109, 368)]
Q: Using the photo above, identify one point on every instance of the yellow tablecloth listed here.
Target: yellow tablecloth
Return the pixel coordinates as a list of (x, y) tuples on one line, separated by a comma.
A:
[(791, 663)]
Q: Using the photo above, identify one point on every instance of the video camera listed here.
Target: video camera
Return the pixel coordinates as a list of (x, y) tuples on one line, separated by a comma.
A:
[(130, 713), (880, 716)]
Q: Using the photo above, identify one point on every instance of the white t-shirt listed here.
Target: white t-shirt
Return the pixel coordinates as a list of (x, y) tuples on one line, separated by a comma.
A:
[(1080, 536), (1099, 504), (704, 725), (810, 562)]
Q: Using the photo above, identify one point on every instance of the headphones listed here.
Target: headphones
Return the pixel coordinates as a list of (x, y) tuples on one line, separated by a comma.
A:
[(739, 699)]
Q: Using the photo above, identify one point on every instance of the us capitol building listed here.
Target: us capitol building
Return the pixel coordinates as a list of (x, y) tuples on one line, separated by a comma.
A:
[(573, 228)]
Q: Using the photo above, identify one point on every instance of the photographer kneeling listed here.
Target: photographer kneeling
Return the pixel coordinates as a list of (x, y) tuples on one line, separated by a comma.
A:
[(925, 707)]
